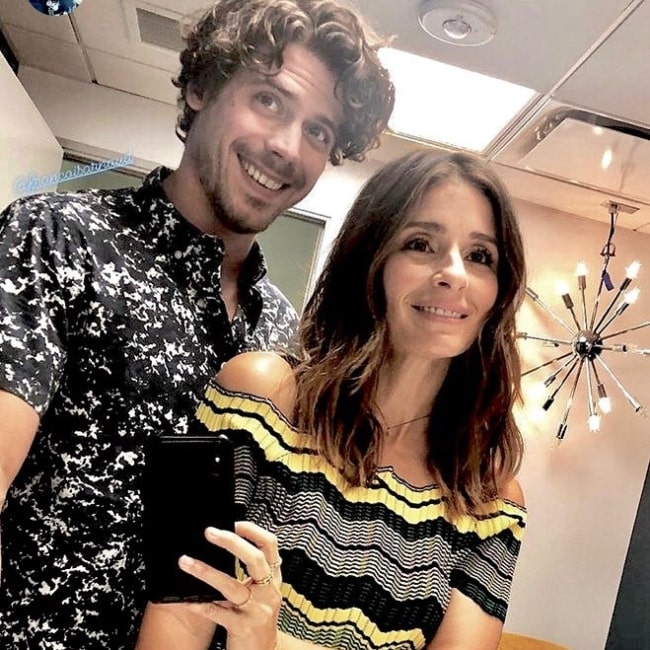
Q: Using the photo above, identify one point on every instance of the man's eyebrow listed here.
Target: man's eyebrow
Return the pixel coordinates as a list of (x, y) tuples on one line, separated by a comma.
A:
[(438, 227), (270, 80)]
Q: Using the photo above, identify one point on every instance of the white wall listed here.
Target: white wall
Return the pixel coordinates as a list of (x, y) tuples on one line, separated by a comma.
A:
[(27, 145), (583, 496)]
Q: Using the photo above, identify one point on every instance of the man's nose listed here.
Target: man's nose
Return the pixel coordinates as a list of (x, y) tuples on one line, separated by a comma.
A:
[(286, 140)]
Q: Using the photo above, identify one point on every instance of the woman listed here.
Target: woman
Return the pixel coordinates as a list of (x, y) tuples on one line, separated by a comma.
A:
[(380, 470)]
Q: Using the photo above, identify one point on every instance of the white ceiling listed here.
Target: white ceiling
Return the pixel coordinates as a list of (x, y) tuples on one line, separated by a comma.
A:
[(591, 55)]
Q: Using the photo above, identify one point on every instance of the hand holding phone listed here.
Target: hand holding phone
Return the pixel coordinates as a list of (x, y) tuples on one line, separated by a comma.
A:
[(188, 486)]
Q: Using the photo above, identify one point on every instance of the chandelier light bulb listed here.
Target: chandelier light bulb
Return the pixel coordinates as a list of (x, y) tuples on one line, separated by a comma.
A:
[(594, 423), (633, 270), (562, 288), (581, 272), (605, 404), (632, 296), (537, 414), (538, 391)]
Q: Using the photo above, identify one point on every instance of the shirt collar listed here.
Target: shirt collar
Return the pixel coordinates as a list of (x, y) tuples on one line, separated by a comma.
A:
[(177, 238)]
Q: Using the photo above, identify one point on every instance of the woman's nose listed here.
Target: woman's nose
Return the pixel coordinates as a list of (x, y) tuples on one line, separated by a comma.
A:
[(452, 271)]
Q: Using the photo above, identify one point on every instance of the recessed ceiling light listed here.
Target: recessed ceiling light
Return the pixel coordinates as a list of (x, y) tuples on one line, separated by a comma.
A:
[(444, 104), (460, 22)]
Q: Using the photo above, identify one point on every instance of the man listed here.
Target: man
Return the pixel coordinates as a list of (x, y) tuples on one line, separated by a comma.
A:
[(117, 306)]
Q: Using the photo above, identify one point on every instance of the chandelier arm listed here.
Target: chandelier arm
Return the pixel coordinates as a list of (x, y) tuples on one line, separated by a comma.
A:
[(604, 403), (590, 399), (595, 371), (594, 312), (559, 370), (546, 339), (634, 403), (575, 318), (569, 403), (535, 298), (606, 312), (547, 363), (625, 331), (566, 376), (626, 348), (584, 304), (611, 319)]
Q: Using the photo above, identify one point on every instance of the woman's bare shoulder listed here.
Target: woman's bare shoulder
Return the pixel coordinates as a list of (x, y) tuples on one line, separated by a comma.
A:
[(511, 490), (263, 374)]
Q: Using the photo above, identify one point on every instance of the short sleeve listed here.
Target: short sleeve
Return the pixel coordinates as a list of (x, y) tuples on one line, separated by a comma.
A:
[(38, 268), (485, 570)]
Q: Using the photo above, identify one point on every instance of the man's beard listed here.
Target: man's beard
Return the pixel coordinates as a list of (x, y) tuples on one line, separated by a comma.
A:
[(226, 215)]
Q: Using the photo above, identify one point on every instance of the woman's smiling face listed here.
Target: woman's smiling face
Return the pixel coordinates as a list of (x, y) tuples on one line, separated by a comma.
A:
[(440, 278)]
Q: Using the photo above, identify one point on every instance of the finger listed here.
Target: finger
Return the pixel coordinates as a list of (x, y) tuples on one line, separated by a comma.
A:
[(217, 613), (261, 537), (250, 554), (233, 590), (232, 621)]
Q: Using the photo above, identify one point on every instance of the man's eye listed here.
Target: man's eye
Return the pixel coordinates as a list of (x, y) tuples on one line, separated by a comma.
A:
[(319, 133), (268, 101)]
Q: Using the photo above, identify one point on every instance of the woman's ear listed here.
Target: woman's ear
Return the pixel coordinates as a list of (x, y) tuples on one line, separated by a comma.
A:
[(194, 97)]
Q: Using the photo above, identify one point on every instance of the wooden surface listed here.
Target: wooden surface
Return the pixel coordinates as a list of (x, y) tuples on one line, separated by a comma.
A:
[(518, 642)]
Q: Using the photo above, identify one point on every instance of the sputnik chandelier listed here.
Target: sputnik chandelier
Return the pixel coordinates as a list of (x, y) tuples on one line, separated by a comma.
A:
[(590, 337)]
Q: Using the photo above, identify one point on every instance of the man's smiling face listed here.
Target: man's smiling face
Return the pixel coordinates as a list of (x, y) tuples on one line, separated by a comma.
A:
[(262, 143)]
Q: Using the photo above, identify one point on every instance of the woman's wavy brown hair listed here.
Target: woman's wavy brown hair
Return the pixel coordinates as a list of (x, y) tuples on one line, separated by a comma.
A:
[(235, 34), (474, 443)]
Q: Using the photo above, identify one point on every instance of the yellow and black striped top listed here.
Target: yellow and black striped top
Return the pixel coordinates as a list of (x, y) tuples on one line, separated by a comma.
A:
[(363, 567)]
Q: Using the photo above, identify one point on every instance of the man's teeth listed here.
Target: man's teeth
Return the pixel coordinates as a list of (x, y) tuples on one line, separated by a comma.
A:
[(440, 312), (263, 180)]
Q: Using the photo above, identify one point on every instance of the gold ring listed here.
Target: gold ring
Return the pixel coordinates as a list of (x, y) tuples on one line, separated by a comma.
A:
[(264, 581), (246, 603), (274, 566)]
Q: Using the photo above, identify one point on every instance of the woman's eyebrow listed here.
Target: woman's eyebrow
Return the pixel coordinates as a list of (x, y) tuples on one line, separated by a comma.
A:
[(434, 226)]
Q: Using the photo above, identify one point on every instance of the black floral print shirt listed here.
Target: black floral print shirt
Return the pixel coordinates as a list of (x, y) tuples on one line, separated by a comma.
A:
[(111, 323)]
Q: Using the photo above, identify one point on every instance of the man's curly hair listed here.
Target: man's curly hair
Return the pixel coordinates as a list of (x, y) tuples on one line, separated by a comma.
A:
[(235, 34)]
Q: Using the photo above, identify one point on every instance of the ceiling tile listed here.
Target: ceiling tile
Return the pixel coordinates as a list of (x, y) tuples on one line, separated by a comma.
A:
[(614, 80), (111, 27), (132, 77), (535, 45), (50, 54)]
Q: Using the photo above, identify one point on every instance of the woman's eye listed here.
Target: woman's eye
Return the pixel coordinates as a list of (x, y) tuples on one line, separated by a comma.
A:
[(482, 256), (419, 245)]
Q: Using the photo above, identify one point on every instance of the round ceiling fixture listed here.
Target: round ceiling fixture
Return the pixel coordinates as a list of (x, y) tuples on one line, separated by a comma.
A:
[(460, 22)]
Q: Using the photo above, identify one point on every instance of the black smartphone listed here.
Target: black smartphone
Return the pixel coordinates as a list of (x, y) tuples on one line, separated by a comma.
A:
[(188, 486)]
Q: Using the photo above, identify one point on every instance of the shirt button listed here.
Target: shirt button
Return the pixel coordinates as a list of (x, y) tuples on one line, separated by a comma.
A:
[(178, 255), (200, 303)]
